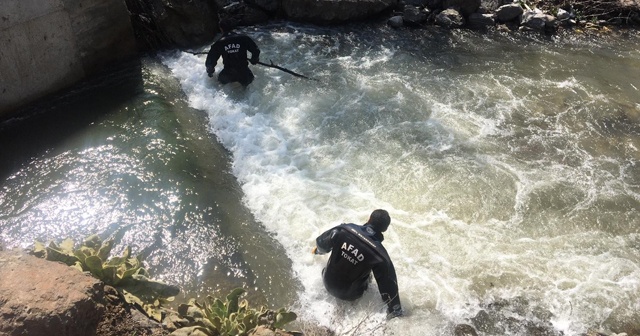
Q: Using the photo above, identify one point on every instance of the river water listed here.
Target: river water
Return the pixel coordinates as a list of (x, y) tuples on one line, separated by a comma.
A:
[(510, 165)]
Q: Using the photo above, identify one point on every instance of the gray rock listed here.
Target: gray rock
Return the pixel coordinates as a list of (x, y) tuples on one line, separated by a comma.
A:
[(563, 15), (414, 16), (450, 18), (537, 20), (252, 16), (464, 330), (509, 12), (464, 7), (477, 20), (175, 23), (630, 4), (396, 21), (188, 331)]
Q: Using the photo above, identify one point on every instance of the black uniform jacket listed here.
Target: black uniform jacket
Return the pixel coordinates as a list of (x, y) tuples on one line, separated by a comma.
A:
[(233, 49), (356, 250)]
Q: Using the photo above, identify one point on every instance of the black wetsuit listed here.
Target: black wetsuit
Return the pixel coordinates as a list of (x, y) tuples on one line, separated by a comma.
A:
[(356, 250), (233, 49)]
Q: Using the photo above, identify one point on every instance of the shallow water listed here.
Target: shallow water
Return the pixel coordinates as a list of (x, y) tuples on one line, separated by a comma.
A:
[(509, 166)]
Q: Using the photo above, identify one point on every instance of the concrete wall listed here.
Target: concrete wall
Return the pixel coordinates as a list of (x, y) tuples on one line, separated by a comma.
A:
[(48, 45)]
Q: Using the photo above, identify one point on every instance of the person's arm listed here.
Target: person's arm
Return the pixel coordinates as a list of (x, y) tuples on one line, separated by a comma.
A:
[(385, 275), (254, 50), (324, 242), (212, 60)]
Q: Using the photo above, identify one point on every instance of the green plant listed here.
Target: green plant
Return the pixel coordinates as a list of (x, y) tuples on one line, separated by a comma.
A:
[(232, 317), (126, 273)]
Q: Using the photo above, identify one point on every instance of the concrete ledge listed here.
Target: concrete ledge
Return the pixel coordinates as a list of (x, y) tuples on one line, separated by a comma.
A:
[(48, 45)]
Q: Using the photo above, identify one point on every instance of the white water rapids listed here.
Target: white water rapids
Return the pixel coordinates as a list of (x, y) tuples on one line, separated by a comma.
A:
[(510, 168), (510, 165)]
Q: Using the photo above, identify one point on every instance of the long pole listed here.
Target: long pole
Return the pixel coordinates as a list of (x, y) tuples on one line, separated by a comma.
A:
[(270, 65), (284, 69)]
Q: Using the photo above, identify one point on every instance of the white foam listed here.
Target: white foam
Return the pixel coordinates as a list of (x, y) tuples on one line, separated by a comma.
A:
[(464, 232)]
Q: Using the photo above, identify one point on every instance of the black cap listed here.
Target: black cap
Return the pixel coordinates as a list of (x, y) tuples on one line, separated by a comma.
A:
[(379, 220)]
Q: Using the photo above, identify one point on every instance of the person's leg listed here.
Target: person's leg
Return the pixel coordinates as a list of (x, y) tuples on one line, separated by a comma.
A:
[(357, 288), (247, 78), (223, 77)]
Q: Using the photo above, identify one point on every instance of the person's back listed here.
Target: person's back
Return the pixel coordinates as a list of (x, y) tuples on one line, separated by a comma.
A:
[(356, 251), (233, 49)]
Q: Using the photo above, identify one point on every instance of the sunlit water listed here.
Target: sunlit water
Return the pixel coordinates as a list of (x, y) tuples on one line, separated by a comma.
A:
[(509, 166)]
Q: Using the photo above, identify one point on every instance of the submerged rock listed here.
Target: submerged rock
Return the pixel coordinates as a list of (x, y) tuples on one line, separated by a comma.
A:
[(464, 330)]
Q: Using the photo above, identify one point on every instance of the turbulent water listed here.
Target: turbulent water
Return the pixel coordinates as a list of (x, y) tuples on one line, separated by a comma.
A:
[(509, 165)]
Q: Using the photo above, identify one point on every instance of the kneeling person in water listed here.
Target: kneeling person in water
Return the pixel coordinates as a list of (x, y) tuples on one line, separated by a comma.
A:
[(233, 49), (356, 251)]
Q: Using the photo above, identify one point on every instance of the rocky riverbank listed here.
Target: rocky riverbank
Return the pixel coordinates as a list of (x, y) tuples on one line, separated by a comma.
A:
[(40, 297), (173, 24), (88, 41)]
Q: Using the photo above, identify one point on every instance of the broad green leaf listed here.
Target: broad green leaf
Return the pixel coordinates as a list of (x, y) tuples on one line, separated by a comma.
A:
[(80, 255), (94, 242), (153, 312), (105, 249), (78, 266), (243, 305), (39, 249), (217, 322), (126, 254), (54, 254), (110, 275), (115, 261), (283, 318), (95, 266), (232, 298), (133, 299), (128, 273)]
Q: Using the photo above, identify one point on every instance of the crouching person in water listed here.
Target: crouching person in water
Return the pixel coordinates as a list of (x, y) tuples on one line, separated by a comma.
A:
[(356, 251), (233, 49)]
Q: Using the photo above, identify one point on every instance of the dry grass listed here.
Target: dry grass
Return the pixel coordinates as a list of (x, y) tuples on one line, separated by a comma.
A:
[(367, 325)]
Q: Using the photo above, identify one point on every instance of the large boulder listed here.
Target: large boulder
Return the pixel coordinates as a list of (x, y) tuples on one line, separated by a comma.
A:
[(334, 11), (481, 21), (174, 23), (450, 18), (537, 20), (39, 297), (509, 12), (414, 16), (464, 7)]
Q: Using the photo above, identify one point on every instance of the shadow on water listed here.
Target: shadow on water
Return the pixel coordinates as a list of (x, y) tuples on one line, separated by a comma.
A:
[(133, 162), (41, 126)]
